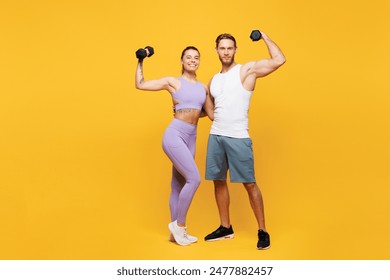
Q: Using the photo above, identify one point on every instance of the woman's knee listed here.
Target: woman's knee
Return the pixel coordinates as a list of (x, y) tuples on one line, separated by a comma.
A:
[(194, 180)]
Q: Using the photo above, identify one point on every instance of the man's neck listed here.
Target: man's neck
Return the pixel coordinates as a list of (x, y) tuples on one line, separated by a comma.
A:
[(226, 68)]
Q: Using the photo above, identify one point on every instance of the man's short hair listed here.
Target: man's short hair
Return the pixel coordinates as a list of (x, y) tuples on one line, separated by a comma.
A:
[(225, 36)]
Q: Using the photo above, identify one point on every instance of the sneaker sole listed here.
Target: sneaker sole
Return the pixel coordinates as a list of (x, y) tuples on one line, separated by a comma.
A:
[(230, 236), (265, 248), (172, 239)]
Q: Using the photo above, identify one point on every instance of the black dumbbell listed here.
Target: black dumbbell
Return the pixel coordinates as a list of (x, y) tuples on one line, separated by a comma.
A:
[(255, 35), (142, 53)]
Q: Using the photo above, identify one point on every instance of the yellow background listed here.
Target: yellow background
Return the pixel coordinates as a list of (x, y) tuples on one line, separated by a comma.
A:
[(82, 172)]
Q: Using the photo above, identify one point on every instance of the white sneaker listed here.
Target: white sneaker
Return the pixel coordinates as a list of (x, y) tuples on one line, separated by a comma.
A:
[(191, 238), (179, 233)]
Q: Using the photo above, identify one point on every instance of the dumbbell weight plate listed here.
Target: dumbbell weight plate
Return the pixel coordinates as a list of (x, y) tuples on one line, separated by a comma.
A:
[(255, 35)]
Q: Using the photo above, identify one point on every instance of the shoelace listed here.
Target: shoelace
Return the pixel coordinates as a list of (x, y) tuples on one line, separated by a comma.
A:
[(185, 232)]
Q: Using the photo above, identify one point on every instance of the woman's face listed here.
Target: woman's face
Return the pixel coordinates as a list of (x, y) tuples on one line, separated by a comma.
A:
[(190, 60)]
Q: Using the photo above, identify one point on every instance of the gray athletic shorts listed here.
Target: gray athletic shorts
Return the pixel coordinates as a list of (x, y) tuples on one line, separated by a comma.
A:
[(233, 154)]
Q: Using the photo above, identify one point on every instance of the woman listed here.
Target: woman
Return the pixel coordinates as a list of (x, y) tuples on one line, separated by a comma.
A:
[(191, 100)]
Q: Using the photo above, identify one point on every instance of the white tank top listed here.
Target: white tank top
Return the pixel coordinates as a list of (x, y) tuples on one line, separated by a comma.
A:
[(231, 102)]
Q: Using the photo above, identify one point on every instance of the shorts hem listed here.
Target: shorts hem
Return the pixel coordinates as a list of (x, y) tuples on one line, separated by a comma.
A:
[(243, 181), (214, 179)]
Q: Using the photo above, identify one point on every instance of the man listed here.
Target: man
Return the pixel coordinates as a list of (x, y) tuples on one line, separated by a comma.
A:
[(229, 144)]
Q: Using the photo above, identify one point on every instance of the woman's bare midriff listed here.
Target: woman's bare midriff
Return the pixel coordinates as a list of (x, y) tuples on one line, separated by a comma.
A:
[(188, 115)]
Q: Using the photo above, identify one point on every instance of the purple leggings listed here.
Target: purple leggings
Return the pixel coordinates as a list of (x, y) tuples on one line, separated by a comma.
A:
[(179, 143)]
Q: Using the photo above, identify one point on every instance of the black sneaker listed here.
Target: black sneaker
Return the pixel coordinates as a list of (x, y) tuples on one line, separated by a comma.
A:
[(264, 242), (220, 233)]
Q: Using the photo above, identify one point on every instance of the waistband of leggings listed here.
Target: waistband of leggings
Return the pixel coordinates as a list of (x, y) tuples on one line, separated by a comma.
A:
[(183, 126)]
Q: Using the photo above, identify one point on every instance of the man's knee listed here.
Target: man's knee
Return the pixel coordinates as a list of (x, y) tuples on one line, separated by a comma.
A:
[(250, 186), (220, 184)]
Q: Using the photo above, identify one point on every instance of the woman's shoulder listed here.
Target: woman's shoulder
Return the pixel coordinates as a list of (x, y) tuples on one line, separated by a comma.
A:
[(204, 87), (174, 81)]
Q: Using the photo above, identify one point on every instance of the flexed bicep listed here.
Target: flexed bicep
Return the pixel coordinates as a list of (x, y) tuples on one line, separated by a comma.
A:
[(157, 84), (265, 67), (164, 83)]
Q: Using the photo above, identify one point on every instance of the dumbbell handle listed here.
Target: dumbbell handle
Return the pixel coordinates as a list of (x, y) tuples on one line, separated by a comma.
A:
[(149, 51)]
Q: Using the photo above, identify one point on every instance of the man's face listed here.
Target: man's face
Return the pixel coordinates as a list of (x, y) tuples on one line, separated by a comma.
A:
[(226, 51)]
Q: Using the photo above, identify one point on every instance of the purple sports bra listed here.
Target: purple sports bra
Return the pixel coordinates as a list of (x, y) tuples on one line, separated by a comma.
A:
[(190, 95)]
